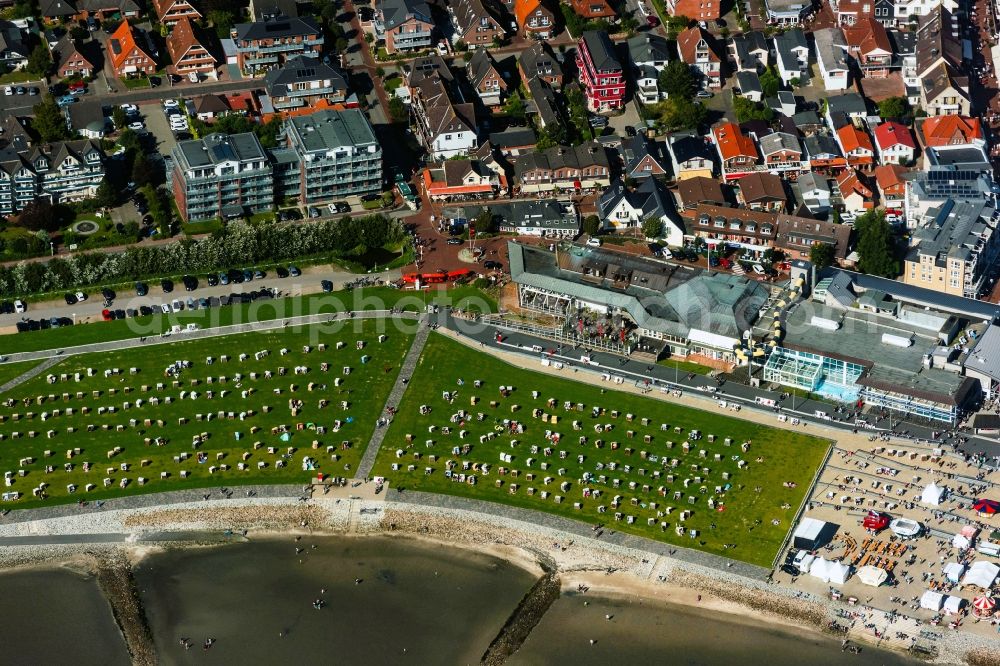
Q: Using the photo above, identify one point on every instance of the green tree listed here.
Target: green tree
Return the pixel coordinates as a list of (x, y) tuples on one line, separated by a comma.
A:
[(515, 107), (591, 225), (678, 114), (749, 110), (222, 21), (677, 80), (119, 117), (485, 222), (48, 121), (676, 24), (38, 215), (552, 135), (106, 196), (652, 227), (39, 61), (268, 132), (143, 171), (397, 110), (341, 44), (896, 108), (770, 82), (821, 255), (876, 245)]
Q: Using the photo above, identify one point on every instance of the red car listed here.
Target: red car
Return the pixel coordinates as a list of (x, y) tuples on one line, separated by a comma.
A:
[(106, 314), (652, 21)]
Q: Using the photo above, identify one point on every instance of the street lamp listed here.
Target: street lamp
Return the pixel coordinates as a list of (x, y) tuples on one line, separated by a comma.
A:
[(52, 248)]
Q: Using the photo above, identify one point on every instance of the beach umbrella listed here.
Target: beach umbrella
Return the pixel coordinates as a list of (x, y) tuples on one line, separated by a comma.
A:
[(986, 507), (984, 605)]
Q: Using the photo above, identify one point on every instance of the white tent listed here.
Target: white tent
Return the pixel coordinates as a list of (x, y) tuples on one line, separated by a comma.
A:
[(932, 600), (905, 527), (932, 494), (818, 569), (960, 541), (873, 576), (838, 572), (981, 574), (952, 605), (953, 571)]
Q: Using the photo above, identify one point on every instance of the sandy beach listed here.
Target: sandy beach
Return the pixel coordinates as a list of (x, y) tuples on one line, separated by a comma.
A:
[(603, 568)]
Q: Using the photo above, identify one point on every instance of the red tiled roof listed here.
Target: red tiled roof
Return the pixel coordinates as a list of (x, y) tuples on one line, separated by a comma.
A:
[(891, 133), (851, 138), (124, 36), (733, 142), (943, 130), (890, 176), (867, 35), (687, 44)]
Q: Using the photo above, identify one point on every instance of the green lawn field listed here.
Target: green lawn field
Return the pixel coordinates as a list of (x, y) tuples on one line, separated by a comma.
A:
[(252, 407), (9, 371), (651, 471), (374, 298)]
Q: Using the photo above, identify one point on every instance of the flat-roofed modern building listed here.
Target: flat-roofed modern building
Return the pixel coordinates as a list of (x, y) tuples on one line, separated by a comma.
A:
[(339, 154), (222, 176)]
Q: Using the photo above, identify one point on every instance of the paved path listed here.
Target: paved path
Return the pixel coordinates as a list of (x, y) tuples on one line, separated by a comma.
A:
[(395, 396), (33, 372), (218, 331), (578, 528)]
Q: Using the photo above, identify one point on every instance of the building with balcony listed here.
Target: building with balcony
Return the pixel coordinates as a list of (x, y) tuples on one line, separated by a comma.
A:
[(463, 180), (542, 218), (787, 12), (170, 12), (130, 53), (601, 73), (868, 43), (737, 151), (302, 82), (338, 152), (538, 61), (954, 251), (791, 52), (404, 25), (534, 18), (476, 22), (187, 53), (60, 172), (486, 78), (443, 120), (70, 60), (222, 176), (621, 208), (698, 48), (691, 155), (697, 10), (649, 54), (270, 43), (562, 168)]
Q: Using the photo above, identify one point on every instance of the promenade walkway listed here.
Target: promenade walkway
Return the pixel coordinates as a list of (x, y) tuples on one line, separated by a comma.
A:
[(395, 396), (30, 374)]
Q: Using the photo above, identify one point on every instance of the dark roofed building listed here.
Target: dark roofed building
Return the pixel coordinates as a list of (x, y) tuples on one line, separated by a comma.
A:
[(302, 82), (269, 43)]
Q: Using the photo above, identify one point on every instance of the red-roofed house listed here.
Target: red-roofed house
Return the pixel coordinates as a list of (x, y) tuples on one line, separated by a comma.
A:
[(698, 49), (534, 18), (127, 58), (891, 189), (171, 11), (868, 43), (850, 12), (593, 9), (187, 53), (463, 180), (951, 131), (736, 150), (243, 103), (856, 146), (697, 10), (858, 197), (894, 142)]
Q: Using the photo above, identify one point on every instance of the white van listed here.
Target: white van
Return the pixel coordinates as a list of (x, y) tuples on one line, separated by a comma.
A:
[(593, 241)]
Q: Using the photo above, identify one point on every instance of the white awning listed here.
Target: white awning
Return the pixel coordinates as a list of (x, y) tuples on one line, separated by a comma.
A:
[(981, 574), (952, 605), (953, 571), (873, 576), (932, 494), (713, 340)]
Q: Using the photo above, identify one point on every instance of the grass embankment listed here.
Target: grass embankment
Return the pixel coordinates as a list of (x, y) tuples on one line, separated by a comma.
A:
[(746, 503), (97, 430), (9, 371), (371, 298)]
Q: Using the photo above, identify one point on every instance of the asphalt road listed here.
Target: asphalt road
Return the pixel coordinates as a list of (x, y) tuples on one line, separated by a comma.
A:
[(90, 310), (662, 376)]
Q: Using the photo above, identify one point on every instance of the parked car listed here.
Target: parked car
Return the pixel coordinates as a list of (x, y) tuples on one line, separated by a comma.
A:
[(281, 272), (106, 315), (313, 211), (65, 100), (212, 279), (454, 241), (8, 90), (145, 310), (164, 308), (704, 94), (141, 289), (294, 271), (493, 265), (80, 296), (593, 241), (170, 103), (259, 274), (224, 278), (341, 207), (108, 294), (70, 299), (327, 286), (758, 269), (190, 282), (167, 285), (177, 305)]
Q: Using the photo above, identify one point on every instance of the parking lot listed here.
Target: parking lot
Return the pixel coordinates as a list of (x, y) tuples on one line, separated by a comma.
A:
[(22, 104), (159, 126)]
